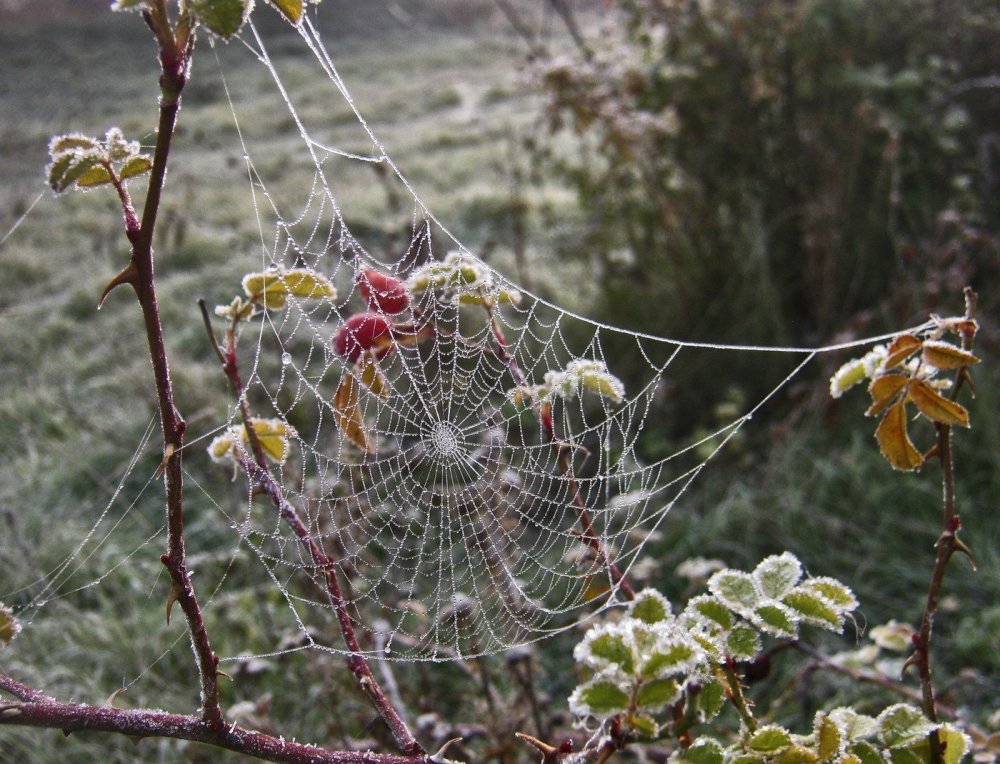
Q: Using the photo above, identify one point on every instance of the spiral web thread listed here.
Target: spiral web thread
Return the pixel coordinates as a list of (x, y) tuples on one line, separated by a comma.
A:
[(461, 534)]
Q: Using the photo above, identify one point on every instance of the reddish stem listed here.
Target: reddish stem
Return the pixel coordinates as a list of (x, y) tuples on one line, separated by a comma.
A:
[(34, 709)]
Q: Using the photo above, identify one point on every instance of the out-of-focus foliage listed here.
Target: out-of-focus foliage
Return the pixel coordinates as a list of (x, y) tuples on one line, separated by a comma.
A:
[(766, 171)]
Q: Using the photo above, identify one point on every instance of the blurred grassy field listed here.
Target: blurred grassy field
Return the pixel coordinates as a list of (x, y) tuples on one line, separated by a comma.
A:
[(76, 403)]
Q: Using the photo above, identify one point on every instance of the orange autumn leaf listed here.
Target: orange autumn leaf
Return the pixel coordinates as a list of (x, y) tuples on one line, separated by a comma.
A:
[(883, 390), (346, 407), (372, 377), (943, 355), (900, 349), (894, 441), (935, 406)]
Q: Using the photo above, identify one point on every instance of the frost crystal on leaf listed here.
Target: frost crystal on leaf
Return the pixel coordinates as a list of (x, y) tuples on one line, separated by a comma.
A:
[(9, 626)]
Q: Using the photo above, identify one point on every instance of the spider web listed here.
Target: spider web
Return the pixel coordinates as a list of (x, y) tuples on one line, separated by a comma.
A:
[(471, 528)]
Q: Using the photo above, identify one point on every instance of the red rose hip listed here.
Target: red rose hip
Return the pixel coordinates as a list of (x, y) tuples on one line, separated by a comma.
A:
[(361, 332), (382, 292)]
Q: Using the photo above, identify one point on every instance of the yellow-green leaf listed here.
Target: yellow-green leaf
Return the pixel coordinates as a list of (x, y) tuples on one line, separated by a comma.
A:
[(273, 436), (943, 355), (895, 442), (290, 9), (347, 409), (900, 349), (222, 17), (272, 287), (883, 390), (935, 406), (97, 175), (137, 165)]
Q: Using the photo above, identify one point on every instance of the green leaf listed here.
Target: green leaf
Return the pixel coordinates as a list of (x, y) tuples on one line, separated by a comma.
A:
[(646, 726), (668, 657), (770, 738), (955, 743), (704, 750), (743, 643), (613, 649), (855, 726), (72, 142), (223, 18), (814, 609), (737, 590), (65, 171), (292, 10), (778, 574), (712, 609), (829, 738), (834, 592), (711, 699), (137, 165), (902, 725), (908, 756), (796, 754), (604, 697), (650, 606), (657, 693), (776, 620), (97, 175), (866, 753)]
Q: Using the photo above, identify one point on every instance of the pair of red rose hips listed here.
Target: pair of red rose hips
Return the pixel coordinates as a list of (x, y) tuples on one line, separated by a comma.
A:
[(373, 331)]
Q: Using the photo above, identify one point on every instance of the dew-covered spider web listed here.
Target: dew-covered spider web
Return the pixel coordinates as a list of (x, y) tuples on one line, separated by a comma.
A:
[(468, 454)]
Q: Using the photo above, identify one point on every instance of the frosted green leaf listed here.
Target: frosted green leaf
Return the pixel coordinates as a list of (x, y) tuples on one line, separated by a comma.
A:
[(778, 574), (119, 149), (222, 17), (610, 648), (137, 165), (847, 376), (712, 609), (704, 750), (902, 725), (814, 609), (907, 756), (291, 9), (838, 595), (645, 725), (239, 309), (68, 168), (599, 697), (650, 606), (748, 758), (271, 288), (828, 735), (743, 643), (657, 693), (893, 636), (672, 655), (72, 142), (855, 726), (97, 175), (222, 449), (796, 754), (955, 743), (769, 739), (776, 620), (866, 753), (711, 699), (9, 626), (737, 590)]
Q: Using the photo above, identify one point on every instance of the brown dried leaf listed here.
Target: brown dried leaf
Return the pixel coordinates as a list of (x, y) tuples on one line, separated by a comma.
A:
[(900, 349), (346, 406), (943, 355), (895, 442), (372, 377), (883, 390), (935, 406)]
